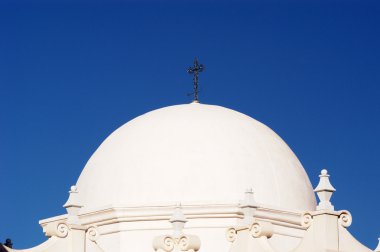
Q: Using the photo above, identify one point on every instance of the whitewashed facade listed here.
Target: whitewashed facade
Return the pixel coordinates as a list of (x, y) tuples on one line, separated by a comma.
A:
[(174, 180)]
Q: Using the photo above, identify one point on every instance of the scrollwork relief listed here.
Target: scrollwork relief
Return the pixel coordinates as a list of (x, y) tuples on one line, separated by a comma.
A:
[(189, 243), (92, 233), (261, 228), (345, 219), (306, 220), (60, 230), (183, 243), (231, 234)]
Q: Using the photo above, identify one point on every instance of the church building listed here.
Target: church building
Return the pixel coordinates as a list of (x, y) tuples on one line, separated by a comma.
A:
[(197, 177)]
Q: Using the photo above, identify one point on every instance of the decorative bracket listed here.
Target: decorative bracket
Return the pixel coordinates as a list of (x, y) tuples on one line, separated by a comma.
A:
[(178, 241)]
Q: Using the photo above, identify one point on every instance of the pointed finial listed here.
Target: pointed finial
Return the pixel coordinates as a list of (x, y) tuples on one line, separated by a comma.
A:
[(324, 191), (249, 200), (195, 69), (178, 221), (377, 249), (248, 206), (73, 206), (179, 241)]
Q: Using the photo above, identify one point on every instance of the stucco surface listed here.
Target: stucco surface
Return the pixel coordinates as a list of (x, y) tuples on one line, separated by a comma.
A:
[(194, 154)]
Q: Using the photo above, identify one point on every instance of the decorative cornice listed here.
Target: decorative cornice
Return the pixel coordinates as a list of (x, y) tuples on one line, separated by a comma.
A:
[(218, 216)]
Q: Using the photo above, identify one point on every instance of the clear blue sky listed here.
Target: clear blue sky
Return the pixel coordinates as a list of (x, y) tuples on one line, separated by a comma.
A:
[(72, 72)]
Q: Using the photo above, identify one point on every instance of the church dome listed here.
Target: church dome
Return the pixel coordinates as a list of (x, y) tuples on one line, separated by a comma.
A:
[(194, 154)]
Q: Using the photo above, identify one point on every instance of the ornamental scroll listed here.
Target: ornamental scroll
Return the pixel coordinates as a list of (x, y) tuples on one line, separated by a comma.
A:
[(168, 243)]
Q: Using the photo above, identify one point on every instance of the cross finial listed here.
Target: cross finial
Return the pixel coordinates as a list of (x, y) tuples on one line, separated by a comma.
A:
[(195, 69)]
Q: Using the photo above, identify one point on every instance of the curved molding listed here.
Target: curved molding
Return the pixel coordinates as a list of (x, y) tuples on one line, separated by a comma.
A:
[(92, 233), (345, 219), (306, 220), (261, 228), (189, 243), (169, 243), (165, 243), (231, 234), (59, 229)]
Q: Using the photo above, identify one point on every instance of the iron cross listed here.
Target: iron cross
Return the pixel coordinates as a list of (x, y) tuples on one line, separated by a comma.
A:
[(197, 68)]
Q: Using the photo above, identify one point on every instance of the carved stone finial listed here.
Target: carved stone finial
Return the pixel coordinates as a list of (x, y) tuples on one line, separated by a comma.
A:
[(73, 206), (377, 249), (248, 206), (324, 191), (249, 199), (178, 221)]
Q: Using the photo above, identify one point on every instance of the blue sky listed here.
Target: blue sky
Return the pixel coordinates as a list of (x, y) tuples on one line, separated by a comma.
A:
[(71, 72)]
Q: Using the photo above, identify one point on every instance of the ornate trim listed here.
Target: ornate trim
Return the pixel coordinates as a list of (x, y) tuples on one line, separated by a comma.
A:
[(231, 234), (345, 219), (169, 243), (261, 228), (60, 230), (306, 220), (92, 233)]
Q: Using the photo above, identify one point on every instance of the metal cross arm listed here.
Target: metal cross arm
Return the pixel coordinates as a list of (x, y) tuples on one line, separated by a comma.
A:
[(195, 69)]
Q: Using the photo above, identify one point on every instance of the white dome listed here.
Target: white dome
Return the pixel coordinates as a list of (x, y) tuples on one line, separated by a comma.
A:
[(194, 154)]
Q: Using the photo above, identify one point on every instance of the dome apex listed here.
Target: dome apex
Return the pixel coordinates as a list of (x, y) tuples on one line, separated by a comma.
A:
[(194, 154)]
